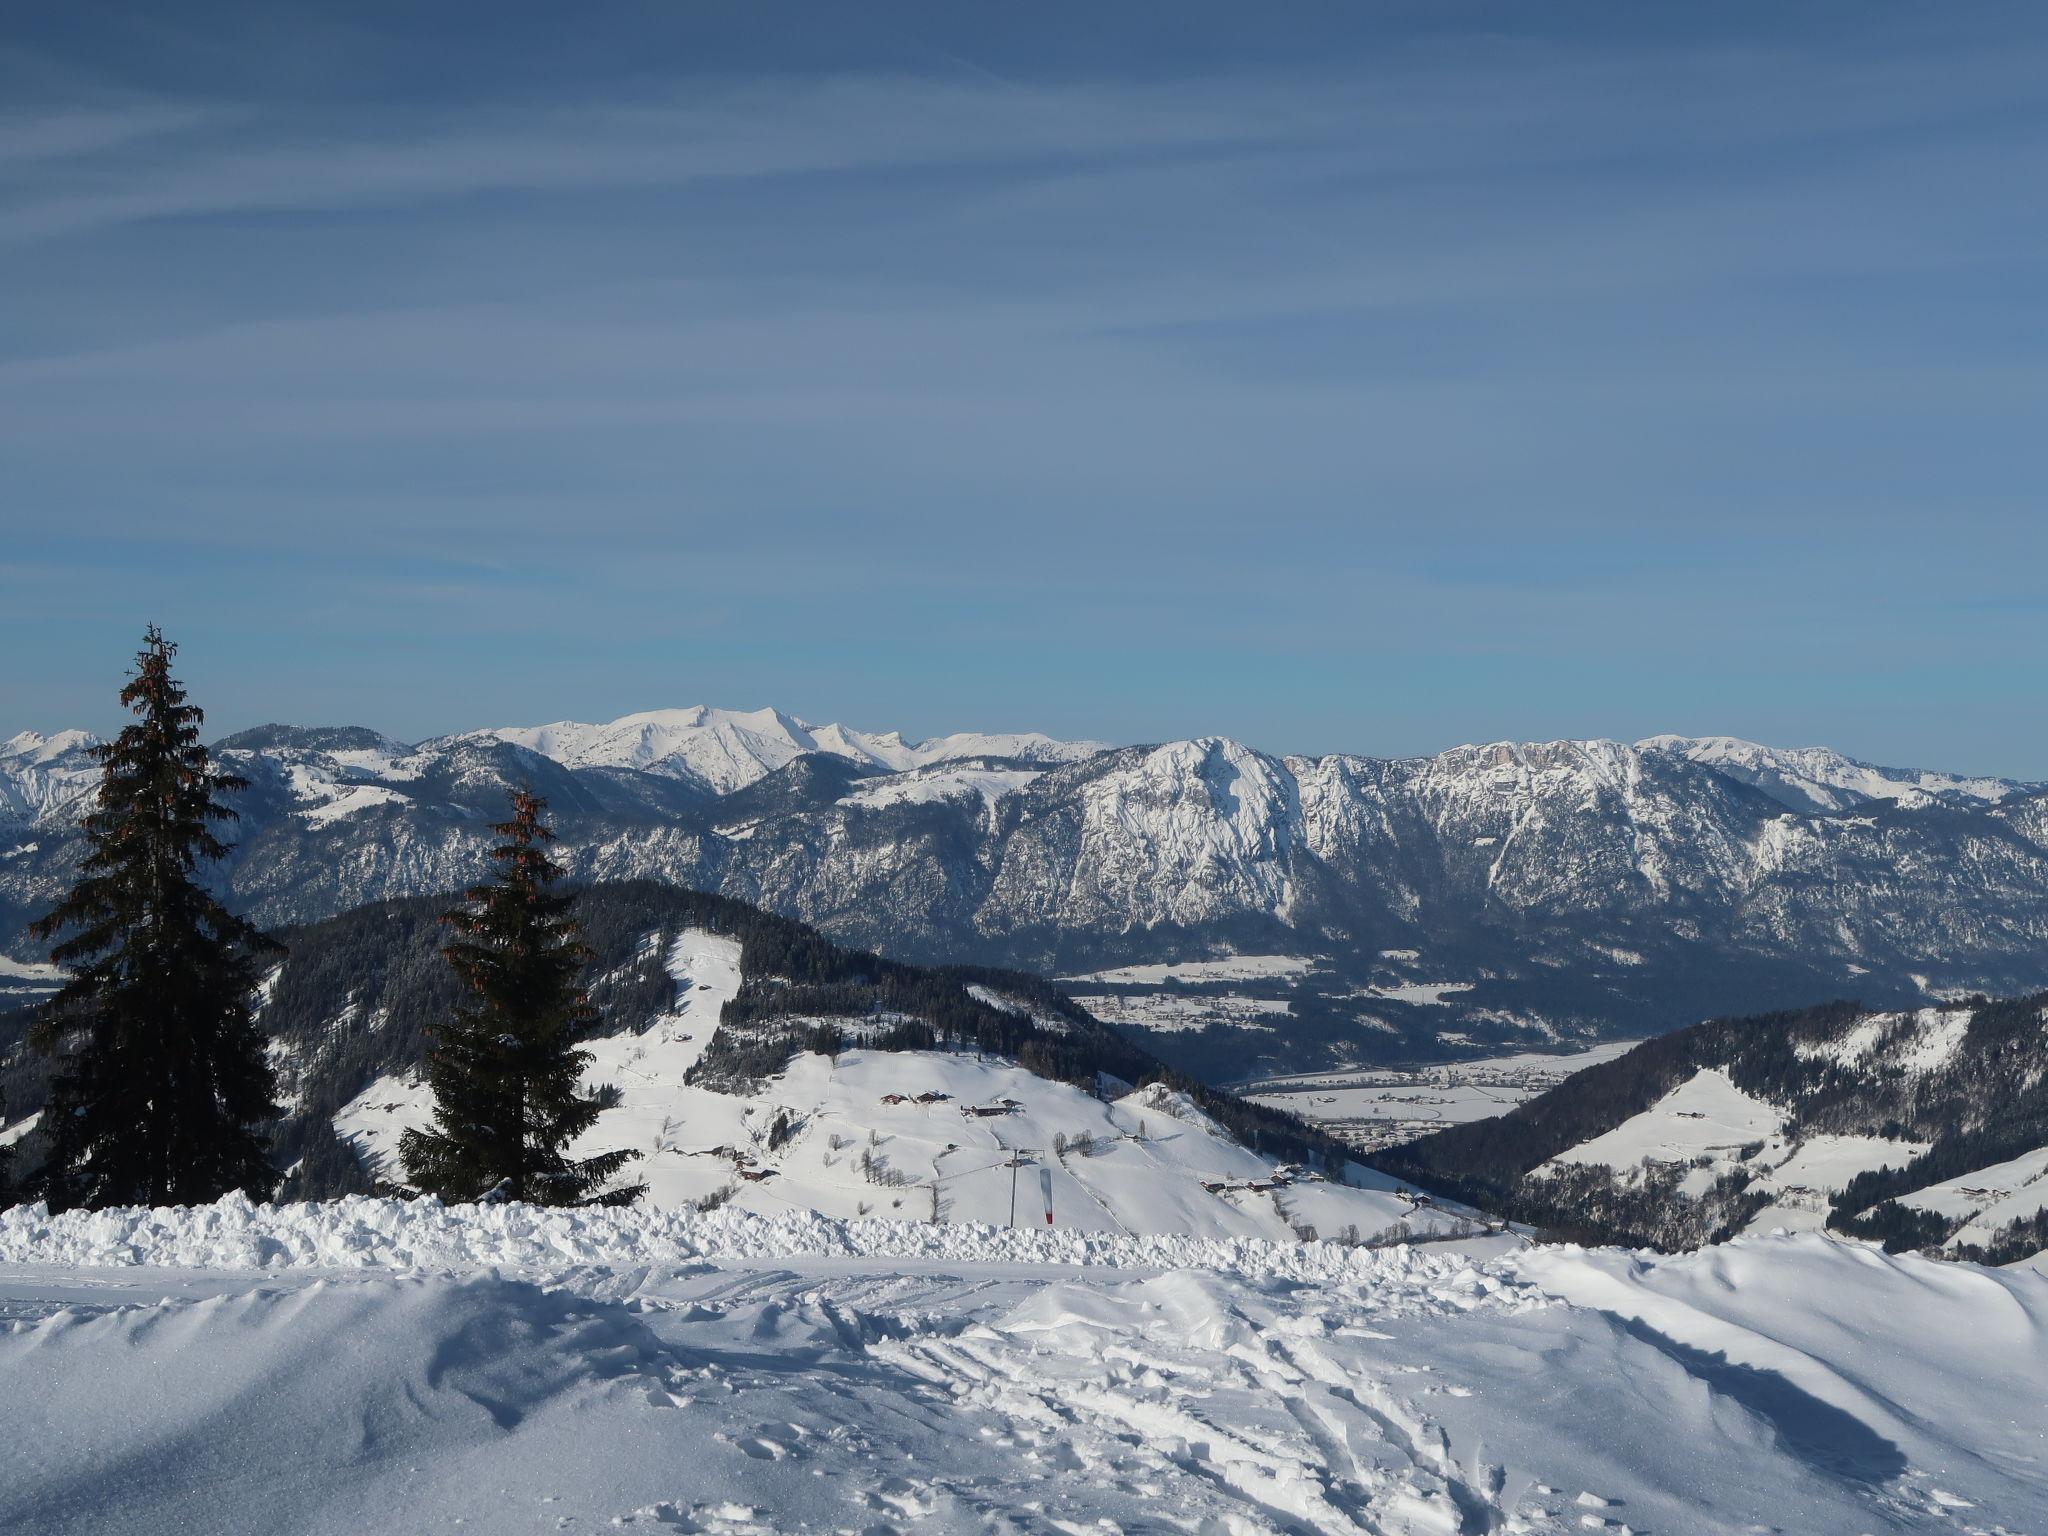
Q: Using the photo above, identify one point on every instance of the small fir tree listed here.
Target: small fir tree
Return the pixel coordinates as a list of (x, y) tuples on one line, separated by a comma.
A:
[(506, 1071), (163, 1082)]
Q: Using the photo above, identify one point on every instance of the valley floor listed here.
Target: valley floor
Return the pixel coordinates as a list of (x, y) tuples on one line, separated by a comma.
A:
[(371, 1367)]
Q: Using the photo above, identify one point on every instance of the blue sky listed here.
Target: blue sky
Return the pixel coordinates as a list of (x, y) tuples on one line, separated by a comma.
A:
[(1368, 377)]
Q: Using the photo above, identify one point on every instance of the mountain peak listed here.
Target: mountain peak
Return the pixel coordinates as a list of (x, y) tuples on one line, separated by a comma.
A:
[(1821, 779), (26, 747), (726, 749)]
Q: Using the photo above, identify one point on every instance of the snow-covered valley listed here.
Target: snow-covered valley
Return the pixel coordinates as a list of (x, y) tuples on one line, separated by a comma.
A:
[(381, 1366)]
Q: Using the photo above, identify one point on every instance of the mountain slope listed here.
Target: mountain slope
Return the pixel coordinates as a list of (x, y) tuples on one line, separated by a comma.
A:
[(757, 1063), (44, 778), (724, 750), (1927, 1128), (1513, 893), (1820, 779)]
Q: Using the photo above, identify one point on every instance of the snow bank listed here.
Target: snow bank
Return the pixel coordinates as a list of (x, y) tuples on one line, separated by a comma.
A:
[(362, 1233), (1785, 1384)]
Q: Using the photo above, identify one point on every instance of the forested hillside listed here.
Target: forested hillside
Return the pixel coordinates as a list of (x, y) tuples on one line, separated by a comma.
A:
[(355, 996), (1926, 1129)]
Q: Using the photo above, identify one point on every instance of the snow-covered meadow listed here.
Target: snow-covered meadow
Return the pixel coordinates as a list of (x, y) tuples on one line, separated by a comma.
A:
[(389, 1366)]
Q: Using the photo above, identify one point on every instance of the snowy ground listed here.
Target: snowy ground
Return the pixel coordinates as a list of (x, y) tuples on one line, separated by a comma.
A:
[(1711, 1127), (1381, 1106), (377, 1367)]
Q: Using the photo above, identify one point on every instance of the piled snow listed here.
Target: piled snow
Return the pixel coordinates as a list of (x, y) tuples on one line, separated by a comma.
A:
[(359, 1232), (577, 1372), (1900, 1377)]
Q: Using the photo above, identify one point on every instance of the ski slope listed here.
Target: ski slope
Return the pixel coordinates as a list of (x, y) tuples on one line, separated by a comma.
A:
[(860, 1143), (377, 1366)]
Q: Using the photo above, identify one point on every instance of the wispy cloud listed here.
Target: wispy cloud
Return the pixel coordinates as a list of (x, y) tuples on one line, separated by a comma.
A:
[(1466, 352)]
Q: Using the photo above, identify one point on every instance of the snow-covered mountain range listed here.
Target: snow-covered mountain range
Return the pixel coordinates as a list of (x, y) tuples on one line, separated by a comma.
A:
[(724, 750), (1492, 893)]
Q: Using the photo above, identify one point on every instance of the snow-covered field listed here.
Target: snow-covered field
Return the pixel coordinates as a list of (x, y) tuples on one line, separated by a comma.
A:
[(1380, 1106), (1173, 1012), (1712, 1128), (1230, 968), (376, 1366), (1990, 1197)]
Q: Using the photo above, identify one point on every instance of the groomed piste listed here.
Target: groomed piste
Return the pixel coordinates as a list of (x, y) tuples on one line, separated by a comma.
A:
[(372, 1365)]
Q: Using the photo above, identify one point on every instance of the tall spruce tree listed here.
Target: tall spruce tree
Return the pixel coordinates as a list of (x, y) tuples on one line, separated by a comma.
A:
[(163, 1084), (505, 1072)]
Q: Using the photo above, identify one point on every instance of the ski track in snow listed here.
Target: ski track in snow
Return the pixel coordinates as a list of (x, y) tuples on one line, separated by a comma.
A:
[(372, 1365)]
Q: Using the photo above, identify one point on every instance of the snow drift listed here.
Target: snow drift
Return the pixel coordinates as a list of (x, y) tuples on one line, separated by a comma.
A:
[(514, 1370)]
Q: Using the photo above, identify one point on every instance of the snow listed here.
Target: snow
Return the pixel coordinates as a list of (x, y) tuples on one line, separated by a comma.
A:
[(46, 779), (361, 1233), (1230, 968), (934, 786), (1003, 1002), (1898, 1374), (29, 971), (1821, 779), (370, 1365), (1917, 1043), (1705, 1116), (1991, 1197), (350, 800), (729, 749), (1171, 1012), (1380, 1106), (1430, 994), (849, 1154), (1803, 1181)]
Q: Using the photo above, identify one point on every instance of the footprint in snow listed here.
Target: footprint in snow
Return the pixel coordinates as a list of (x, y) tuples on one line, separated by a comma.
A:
[(770, 1442)]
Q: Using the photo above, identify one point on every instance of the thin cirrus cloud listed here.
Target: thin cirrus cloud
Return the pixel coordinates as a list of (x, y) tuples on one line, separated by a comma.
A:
[(1444, 361)]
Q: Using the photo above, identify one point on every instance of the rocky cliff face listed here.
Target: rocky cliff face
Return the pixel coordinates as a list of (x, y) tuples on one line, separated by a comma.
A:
[(1499, 892)]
